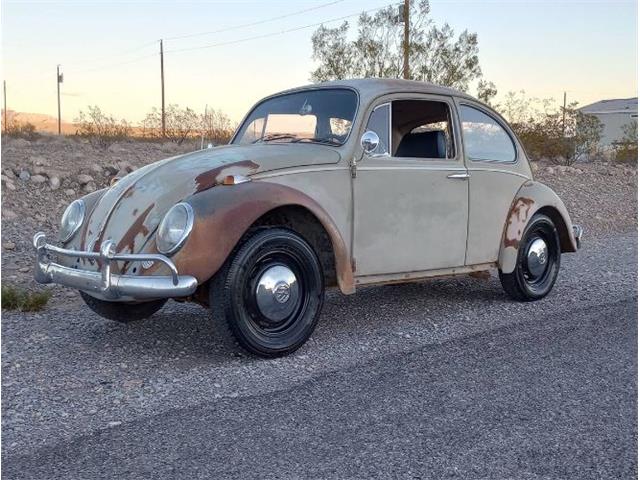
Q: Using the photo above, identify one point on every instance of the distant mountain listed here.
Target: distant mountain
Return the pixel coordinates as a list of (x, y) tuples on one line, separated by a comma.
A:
[(42, 122)]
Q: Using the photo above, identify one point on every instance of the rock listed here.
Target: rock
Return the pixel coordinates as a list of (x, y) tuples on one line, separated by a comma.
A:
[(38, 179), (40, 170), (90, 187), (25, 269), (534, 167), (39, 161), (124, 165), (111, 170), (55, 183), (8, 173), (550, 170), (96, 168), (10, 185), (9, 245), (70, 192), (113, 424), (83, 179), (24, 175), (9, 214), (20, 143)]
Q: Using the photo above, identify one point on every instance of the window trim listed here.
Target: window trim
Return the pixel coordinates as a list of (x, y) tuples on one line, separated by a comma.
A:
[(390, 119), (500, 122)]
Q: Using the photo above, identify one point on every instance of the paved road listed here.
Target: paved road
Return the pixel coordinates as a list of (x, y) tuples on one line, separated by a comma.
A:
[(445, 378)]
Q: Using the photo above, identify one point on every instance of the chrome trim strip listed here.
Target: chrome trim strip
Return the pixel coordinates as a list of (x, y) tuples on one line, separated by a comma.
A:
[(104, 283)]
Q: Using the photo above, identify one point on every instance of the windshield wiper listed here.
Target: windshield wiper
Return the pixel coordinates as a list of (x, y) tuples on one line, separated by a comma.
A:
[(325, 141), (270, 137)]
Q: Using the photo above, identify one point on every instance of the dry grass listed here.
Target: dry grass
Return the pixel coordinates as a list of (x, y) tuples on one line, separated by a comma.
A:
[(14, 298)]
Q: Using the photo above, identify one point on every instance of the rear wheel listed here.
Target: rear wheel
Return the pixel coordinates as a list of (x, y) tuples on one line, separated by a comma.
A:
[(122, 312), (271, 292), (537, 263)]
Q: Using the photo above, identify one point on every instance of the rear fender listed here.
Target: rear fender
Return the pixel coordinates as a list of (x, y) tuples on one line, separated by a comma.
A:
[(533, 197)]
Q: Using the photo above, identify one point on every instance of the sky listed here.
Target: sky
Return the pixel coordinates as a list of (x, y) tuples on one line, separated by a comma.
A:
[(109, 50)]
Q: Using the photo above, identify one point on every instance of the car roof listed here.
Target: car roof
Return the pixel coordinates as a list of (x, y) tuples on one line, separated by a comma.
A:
[(374, 87)]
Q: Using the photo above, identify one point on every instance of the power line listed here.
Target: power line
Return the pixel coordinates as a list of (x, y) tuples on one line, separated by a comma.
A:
[(273, 34), (252, 24), (135, 60)]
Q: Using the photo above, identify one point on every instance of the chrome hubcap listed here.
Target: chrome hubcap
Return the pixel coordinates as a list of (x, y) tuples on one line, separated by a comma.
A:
[(277, 293), (537, 257)]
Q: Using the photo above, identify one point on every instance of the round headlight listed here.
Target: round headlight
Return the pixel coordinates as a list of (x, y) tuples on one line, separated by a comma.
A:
[(72, 218), (174, 228)]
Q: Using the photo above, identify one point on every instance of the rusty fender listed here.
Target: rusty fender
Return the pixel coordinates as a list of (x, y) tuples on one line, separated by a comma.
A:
[(530, 199), (224, 213)]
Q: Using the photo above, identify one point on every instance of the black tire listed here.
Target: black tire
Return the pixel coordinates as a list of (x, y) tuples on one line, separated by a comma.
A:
[(534, 280), (122, 312), (275, 254)]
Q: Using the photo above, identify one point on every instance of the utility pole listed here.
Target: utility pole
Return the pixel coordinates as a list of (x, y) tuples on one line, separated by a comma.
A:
[(162, 86), (405, 17), (59, 79), (4, 87), (564, 111)]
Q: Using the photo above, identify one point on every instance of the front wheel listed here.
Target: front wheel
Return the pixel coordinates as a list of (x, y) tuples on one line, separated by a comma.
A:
[(271, 292), (122, 312), (537, 263)]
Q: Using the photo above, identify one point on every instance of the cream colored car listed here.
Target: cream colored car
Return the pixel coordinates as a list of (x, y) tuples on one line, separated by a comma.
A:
[(341, 184)]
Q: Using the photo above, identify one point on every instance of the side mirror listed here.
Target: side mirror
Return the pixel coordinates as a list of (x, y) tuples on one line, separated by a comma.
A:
[(369, 141)]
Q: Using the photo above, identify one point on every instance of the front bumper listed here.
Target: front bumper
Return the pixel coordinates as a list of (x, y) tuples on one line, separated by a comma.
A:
[(105, 284)]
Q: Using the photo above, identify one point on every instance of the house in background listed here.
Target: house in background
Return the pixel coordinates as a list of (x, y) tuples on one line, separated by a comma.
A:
[(614, 115)]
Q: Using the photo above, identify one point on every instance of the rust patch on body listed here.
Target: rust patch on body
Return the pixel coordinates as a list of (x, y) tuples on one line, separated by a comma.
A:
[(213, 177), (482, 274), (137, 228), (517, 221)]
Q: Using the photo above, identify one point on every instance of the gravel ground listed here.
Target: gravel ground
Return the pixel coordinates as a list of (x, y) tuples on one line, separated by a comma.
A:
[(74, 383)]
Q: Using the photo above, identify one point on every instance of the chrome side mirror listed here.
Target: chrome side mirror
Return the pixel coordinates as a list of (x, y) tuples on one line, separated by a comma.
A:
[(369, 141)]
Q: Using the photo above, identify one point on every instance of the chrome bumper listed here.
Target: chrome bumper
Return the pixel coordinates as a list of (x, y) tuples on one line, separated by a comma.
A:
[(577, 234), (104, 284)]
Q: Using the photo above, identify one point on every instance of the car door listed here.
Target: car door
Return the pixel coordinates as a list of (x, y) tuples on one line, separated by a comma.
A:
[(497, 169), (410, 212)]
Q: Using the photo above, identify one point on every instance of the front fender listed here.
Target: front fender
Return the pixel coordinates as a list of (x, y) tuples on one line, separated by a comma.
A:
[(224, 213), (533, 197)]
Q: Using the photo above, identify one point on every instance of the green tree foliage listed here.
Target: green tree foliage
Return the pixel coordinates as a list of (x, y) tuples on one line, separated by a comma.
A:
[(436, 53)]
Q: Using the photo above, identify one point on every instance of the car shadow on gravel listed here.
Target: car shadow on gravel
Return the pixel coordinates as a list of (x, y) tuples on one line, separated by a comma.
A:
[(189, 331)]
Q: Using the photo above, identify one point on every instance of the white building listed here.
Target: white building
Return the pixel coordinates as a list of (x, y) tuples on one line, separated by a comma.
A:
[(613, 114)]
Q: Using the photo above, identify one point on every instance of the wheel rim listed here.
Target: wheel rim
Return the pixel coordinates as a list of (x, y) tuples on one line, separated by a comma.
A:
[(538, 259), (275, 295)]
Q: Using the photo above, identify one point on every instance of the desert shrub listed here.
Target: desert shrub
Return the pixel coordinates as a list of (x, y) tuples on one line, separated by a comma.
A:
[(18, 129), (101, 129), (14, 298), (217, 127), (564, 135), (626, 147), (180, 124)]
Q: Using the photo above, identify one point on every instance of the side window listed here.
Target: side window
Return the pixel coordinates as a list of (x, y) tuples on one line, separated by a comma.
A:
[(422, 129), (484, 138), (379, 122)]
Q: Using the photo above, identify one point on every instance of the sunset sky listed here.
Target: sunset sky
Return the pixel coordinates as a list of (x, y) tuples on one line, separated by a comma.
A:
[(108, 50)]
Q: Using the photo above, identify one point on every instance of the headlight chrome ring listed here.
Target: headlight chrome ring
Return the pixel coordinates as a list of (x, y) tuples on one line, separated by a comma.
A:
[(72, 219), (171, 236)]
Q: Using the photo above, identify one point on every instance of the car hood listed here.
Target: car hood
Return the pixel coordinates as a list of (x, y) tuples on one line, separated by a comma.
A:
[(131, 210)]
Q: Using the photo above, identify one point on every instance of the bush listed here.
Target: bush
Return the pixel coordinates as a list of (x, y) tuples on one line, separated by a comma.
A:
[(14, 298), (626, 147), (17, 129), (180, 124), (217, 127), (101, 129)]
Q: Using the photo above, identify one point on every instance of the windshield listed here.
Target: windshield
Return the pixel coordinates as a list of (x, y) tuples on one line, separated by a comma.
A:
[(314, 116)]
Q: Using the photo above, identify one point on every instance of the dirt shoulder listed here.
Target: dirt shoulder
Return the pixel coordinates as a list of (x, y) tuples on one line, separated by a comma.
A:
[(41, 177)]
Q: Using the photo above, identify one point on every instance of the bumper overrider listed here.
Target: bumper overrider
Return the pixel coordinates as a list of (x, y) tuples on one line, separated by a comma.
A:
[(105, 284)]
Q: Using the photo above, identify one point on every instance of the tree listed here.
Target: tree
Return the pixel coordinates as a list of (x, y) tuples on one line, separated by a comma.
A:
[(436, 54), (627, 145)]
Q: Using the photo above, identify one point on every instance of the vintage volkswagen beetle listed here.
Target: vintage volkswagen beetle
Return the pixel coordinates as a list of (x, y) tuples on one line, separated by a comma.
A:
[(338, 184)]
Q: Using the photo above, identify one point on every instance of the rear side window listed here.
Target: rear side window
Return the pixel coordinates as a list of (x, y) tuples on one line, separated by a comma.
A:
[(484, 138)]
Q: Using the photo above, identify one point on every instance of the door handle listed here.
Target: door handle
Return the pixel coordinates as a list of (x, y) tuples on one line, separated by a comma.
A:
[(459, 176)]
